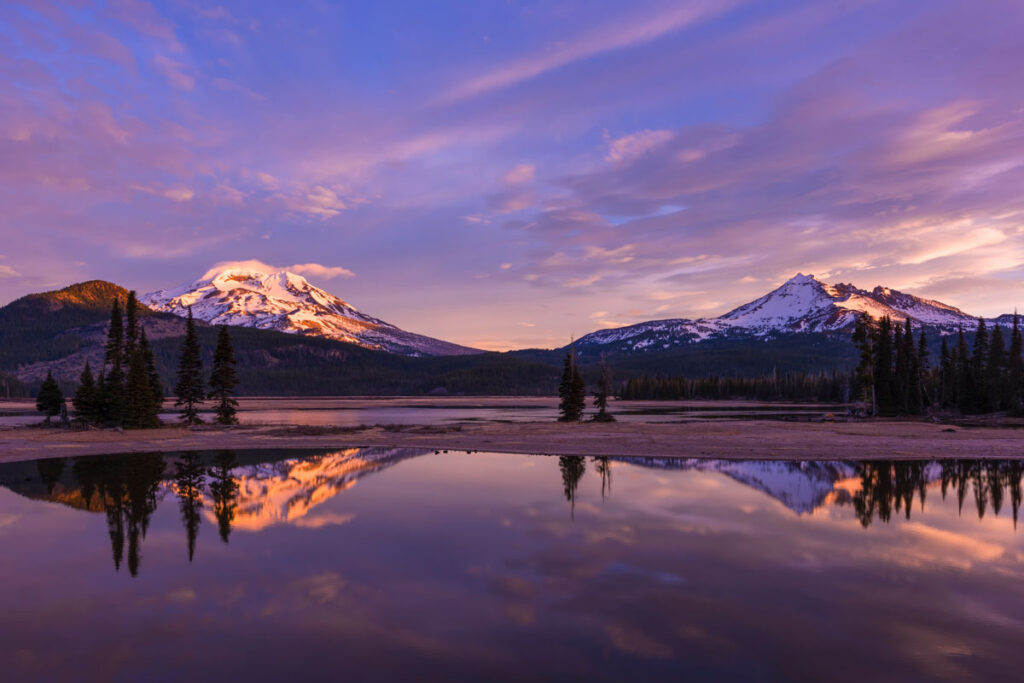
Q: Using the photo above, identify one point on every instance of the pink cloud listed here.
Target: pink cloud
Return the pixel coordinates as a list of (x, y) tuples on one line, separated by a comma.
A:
[(613, 36), (175, 72)]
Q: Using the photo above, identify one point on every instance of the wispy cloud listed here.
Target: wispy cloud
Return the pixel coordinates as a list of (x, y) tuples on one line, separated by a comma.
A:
[(626, 32)]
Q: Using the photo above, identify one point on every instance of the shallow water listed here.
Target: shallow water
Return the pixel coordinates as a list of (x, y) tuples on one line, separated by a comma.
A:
[(439, 415), (442, 414), (374, 564)]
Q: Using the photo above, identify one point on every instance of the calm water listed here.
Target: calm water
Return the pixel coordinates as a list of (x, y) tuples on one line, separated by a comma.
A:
[(372, 564), (441, 414), (437, 415)]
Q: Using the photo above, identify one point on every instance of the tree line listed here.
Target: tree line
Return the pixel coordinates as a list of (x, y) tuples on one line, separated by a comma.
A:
[(129, 394), (823, 387), (895, 375)]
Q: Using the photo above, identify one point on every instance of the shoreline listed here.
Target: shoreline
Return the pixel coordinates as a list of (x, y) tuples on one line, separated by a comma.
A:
[(733, 439)]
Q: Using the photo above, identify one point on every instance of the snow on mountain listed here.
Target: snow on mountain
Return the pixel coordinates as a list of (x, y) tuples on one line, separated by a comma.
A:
[(803, 304), (252, 295), (800, 486), (289, 491)]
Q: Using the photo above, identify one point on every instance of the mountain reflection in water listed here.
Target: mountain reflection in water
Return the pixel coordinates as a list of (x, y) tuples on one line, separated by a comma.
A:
[(503, 567), (127, 489)]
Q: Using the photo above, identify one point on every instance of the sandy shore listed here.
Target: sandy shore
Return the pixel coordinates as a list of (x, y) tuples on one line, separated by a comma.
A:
[(747, 439)]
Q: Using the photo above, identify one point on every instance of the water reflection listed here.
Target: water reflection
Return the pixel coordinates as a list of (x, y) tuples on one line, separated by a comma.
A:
[(188, 481), (262, 492), (224, 491), (572, 468), (888, 487), (603, 468), (124, 489), (497, 567)]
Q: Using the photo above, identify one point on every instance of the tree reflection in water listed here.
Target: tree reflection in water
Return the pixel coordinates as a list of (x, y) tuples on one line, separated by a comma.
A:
[(887, 486), (128, 488), (188, 480), (125, 488), (224, 491), (572, 468), (603, 467)]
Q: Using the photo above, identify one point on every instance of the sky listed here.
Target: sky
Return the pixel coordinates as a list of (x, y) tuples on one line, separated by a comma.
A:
[(511, 174)]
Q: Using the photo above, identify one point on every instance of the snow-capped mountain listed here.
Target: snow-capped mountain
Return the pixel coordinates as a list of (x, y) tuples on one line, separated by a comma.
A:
[(803, 304), (800, 486), (289, 491), (251, 295)]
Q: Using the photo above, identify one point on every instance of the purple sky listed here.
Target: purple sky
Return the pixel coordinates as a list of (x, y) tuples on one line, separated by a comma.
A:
[(508, 174)]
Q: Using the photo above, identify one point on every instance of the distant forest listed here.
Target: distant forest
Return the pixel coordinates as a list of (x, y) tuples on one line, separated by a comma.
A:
[(831, 387)]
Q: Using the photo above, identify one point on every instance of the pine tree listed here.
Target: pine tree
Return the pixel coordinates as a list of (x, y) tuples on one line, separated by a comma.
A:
[(1015, 368), (115, 338), (966, 399), (224, 379), (138, 394), (979, 369), (924, 370), (87, 404), (995, 371), (883, 371), (579, 391), (156, 387), (864, 375), (571, 390), (131, 327), (912, 390), (189, 389), (50, 400), (947, 377), (113, 369), (604, 390)]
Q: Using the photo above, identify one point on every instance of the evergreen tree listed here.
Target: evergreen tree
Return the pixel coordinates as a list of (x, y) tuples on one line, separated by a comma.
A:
[(901, 371), (50, 400), (924, 372), (139, 403), (979, 369), (113, 369), (87, 401), (115, 338), (1015, 368), (995, 371), (156, 387), (604, 390), (224, 379), (864, 375), (571, 391), (912, 390), (189, 389), (131, 327), (947, 377), (966, 399), (883, 371)]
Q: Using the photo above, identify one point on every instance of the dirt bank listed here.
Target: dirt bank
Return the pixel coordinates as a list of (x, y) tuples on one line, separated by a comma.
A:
[(733, 439)]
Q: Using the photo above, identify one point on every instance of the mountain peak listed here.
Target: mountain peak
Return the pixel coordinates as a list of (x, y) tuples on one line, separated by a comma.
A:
[(802, 304), (801, 279), (252, 294)]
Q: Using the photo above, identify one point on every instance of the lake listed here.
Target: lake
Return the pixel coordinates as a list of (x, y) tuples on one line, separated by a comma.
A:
[(353, 412), (378, 564)]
